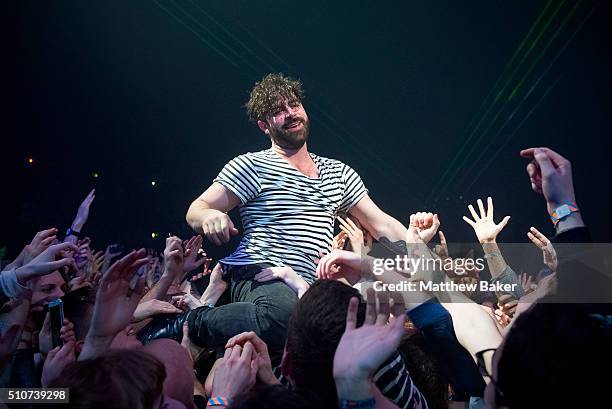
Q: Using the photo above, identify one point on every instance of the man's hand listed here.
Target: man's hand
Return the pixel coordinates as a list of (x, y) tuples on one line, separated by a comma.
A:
[(218, 227), (485, 228), (173, 257), (362, 350), (548, 251), (237, 371), (117, 297), (83, 212), (550, 174), (151, 308), (56, 361), (45, 262), (264, 364)]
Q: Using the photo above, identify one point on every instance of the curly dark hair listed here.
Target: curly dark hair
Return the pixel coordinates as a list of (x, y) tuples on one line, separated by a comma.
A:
[(265, 94)]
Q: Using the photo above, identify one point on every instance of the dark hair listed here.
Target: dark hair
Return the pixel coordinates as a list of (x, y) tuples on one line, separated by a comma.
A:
[(78, 309), (554, 356), (314, 331), (424, 371), (266, 93), (130, 379), (277, 397)]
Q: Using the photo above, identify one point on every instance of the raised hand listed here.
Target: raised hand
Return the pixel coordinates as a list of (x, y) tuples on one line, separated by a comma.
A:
[(173, 257), (117, 297), (45, 342), (57, 359), (485, 228), (41, 241), (353, 232), (83, 212), (218, 227), (441, 249), (548, 251), (550, 174), (192, 249), (236, 374), (46, 262), (362, 350), (339, 240), (526, 283), (422, 227), (264, 364)]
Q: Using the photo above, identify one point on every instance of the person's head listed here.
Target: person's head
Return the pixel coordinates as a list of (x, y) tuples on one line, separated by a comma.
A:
[(315, 328), (78, 309), (118, 379), (46, 288), (553, 356), (179, 369), (425, 371), (275, 105)]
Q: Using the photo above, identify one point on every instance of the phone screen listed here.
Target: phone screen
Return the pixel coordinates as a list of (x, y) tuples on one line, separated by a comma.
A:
[(56, 312)]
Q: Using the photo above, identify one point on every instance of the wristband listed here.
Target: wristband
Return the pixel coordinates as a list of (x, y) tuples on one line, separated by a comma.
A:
[(562, 212), (356, 404), (219, 401), (74, 233)]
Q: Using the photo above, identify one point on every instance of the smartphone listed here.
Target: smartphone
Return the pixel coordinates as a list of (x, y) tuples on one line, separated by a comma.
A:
[(56, 312)]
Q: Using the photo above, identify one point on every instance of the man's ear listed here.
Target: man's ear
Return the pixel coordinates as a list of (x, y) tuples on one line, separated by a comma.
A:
[(263, 126)]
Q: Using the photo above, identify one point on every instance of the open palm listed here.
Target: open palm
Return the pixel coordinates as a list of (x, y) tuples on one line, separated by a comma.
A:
[(485, 228)]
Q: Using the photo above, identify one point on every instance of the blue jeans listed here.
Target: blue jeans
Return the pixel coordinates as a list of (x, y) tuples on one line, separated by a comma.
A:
[(263, 307), (456, 363)]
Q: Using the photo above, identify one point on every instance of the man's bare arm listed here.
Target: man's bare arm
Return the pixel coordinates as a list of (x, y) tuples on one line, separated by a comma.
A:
[(377, 222), (208, 214)]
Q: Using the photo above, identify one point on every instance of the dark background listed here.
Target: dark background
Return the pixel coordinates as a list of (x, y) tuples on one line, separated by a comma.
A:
[(153, 90)]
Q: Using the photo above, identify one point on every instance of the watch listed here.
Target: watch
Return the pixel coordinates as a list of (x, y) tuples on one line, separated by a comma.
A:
[(71, 232), (563, 211)]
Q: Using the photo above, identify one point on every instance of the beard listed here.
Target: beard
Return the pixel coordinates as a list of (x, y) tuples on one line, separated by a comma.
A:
[(288, 139)]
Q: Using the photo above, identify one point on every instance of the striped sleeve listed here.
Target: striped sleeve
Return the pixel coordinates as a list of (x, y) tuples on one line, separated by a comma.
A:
[(394, 381), (354, 189), (241, 178)]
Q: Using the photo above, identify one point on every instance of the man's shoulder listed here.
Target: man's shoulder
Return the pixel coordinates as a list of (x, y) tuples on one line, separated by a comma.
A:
[(252, 158), (328, 162)]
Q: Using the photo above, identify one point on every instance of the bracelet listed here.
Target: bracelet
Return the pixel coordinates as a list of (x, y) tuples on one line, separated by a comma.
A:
[(492, 254), (219, 401), (356, 404)]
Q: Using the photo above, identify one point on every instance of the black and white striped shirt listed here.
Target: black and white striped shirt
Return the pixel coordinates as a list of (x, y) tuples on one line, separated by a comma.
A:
[(288, 217)]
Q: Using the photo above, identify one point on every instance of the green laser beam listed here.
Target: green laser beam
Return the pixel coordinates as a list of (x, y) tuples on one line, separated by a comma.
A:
[(474, 145), (202, 39), (561, 51), (449, 168)]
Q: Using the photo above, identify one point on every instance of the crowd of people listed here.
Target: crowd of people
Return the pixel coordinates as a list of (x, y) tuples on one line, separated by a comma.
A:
[(147, 330)]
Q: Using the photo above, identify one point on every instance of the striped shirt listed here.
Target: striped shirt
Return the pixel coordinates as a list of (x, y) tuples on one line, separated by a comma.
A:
[(288, 217), (392, 379)]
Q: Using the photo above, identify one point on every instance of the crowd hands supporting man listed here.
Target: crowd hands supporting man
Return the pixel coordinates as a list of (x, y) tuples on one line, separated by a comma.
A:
[(394, 350)]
